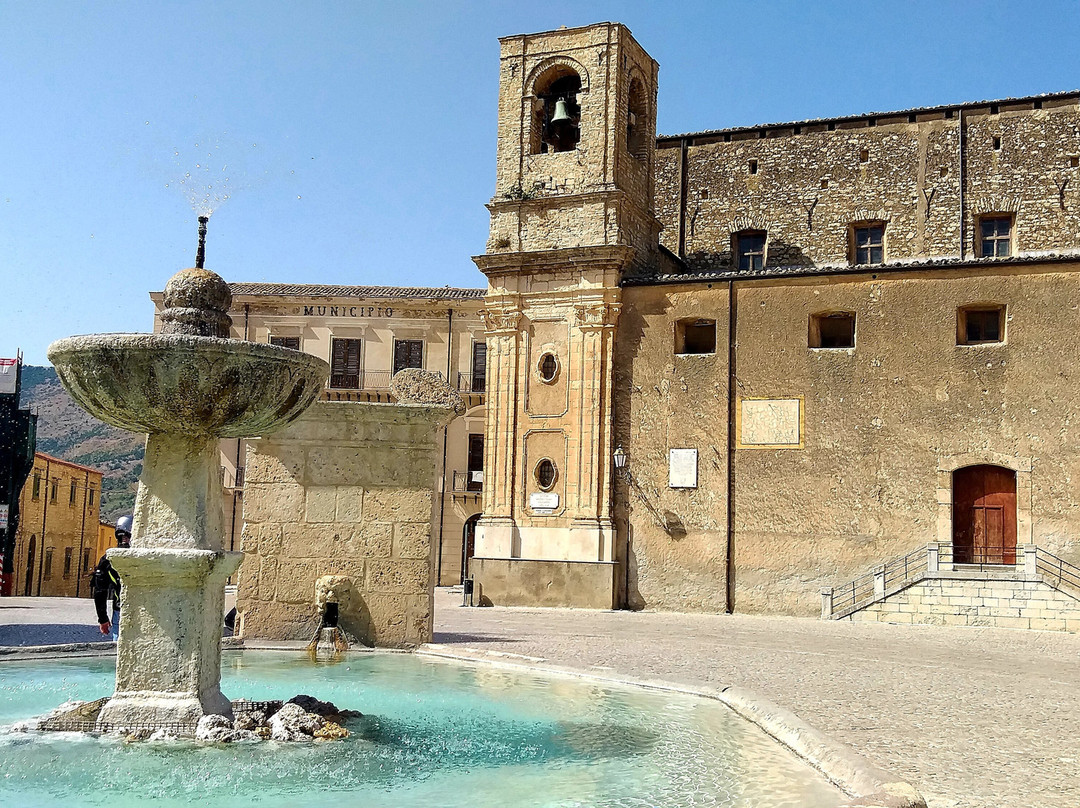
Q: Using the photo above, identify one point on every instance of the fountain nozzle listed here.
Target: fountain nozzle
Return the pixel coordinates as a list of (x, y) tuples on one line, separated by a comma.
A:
[(200, 255)]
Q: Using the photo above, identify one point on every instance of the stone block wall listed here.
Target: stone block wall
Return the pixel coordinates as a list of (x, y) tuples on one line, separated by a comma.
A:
[(346, 490), (964, 601), (807, 184)]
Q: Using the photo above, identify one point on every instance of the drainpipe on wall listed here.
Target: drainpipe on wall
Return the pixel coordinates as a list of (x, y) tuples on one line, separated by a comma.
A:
[(732, 442), (82, 536)]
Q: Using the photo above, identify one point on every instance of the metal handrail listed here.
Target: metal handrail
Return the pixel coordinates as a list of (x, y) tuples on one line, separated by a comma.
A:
[(1066, 574), (896, 573)]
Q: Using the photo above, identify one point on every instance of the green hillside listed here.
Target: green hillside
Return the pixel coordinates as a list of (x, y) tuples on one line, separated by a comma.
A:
[(66, 431)]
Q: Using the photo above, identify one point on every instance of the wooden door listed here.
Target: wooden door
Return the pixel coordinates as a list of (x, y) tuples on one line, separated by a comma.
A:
[(984, 515)]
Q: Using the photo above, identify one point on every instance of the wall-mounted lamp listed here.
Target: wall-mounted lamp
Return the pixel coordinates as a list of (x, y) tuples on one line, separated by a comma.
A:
[(620, 457)]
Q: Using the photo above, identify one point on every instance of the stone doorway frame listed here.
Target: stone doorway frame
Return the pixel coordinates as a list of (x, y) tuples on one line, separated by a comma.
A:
[(952, 463)]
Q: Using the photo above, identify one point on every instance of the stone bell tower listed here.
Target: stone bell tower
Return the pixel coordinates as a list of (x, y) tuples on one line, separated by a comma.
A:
[(572, 212)]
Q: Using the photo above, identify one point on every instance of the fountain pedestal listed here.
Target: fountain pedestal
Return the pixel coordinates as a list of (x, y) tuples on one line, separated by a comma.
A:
[(168, 661)]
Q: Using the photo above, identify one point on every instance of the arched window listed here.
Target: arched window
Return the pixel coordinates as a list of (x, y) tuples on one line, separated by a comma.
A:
[(635, 121), (556, 125)]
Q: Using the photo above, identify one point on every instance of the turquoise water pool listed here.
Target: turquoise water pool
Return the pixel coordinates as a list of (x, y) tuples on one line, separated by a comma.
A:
[(433, 734)]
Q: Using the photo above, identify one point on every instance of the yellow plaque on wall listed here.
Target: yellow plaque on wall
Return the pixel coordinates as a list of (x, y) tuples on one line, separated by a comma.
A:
[(770, 423)]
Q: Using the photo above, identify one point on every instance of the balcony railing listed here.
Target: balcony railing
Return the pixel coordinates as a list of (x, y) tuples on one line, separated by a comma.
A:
[(468, 482), (364, 380), (471, 383)]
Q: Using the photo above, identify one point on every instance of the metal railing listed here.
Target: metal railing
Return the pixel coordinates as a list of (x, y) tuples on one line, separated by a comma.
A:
[(1057, 572), (364, 380), (465, 482), (471, 383), (874, 585)]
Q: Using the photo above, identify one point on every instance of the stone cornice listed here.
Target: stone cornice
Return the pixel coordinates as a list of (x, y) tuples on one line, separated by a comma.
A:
[(604, 257)]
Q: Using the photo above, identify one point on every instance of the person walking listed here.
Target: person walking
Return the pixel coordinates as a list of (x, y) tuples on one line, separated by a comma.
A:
[(105, 583)]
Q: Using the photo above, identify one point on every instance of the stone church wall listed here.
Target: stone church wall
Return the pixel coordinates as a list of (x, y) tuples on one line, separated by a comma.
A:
[(807, 187), (346, 490), (864, 482)]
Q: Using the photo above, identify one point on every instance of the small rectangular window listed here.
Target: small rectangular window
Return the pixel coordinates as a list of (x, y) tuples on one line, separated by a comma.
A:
[(997, 143), (286, 342), (695, 337), (345, 363), (978, 325), (750, 249), (91, 494), (53, 490), (995, 236), (832, 330), (753, 166), (870, 244), (86, 561), (864, 156), (68, 552), (74, 491), (37, 485), (408, 353), (48, 563)]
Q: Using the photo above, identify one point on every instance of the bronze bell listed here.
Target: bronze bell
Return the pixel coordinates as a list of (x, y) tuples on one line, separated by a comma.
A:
[(562, 113)]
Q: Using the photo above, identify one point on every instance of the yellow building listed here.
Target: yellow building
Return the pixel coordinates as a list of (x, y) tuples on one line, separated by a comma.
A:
[(57, 537), (367, 334)]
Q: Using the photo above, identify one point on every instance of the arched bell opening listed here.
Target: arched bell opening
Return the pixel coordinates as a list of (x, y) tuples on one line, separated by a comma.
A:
[(556, 125)]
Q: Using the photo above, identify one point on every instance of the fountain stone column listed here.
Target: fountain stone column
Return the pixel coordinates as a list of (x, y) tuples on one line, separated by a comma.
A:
[(186, 387)]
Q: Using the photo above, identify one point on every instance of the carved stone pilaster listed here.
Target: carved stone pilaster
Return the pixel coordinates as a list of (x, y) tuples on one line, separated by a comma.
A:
[(596, 315), (500, 322)]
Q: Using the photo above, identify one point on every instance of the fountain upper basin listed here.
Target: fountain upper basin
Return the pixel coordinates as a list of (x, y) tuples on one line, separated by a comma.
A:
[(188, 385)]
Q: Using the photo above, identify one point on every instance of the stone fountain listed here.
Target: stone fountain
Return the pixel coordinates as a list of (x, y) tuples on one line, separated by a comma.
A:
[(186, 387)]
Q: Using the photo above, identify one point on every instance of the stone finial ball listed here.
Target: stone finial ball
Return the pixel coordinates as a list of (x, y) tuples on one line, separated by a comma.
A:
[(197, 289)]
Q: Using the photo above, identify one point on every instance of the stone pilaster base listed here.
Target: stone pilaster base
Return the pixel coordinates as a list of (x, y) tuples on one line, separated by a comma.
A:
[(168, 661), (530, 582)]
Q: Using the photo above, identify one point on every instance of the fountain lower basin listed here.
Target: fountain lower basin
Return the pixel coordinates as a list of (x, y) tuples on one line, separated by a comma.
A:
[(433, 733)]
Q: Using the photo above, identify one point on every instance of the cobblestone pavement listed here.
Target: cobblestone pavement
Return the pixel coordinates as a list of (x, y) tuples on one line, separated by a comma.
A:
[(974, 717), (48, 621)]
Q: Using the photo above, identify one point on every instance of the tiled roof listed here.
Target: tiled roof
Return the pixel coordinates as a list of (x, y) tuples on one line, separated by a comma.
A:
[(365, 292), (63, 462), (894, 113), (949, 262)]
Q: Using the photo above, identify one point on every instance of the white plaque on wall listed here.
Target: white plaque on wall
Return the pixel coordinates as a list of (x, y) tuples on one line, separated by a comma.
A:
[(543, 502), (770, 422), (682, 468)]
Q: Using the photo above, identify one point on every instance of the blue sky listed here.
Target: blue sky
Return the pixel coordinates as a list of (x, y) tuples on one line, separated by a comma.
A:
[(356, 140)]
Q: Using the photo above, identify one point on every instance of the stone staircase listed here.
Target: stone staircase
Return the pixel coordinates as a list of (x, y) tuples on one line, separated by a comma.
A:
[(1039, 591)]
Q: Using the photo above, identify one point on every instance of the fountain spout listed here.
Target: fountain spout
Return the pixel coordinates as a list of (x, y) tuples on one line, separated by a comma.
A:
[(200, 254)]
